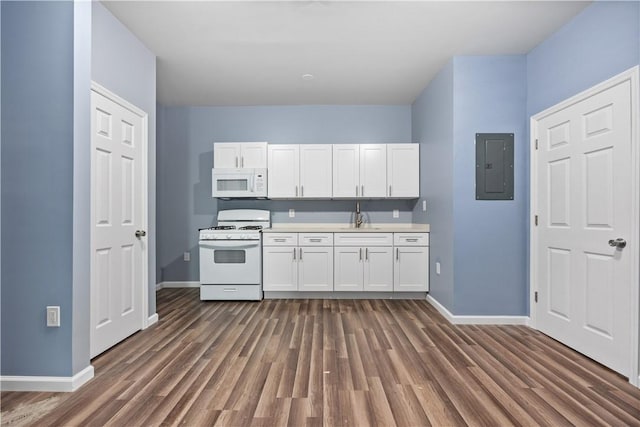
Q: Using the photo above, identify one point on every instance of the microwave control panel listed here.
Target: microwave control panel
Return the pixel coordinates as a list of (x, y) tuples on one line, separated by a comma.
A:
[(260, 182)]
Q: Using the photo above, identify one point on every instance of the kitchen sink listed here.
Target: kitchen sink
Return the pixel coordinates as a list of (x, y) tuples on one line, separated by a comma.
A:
[(359, 229)]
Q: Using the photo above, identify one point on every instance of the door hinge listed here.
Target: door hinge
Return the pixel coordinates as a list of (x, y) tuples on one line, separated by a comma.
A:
[(536, 220), (535, 296), (536, 143)]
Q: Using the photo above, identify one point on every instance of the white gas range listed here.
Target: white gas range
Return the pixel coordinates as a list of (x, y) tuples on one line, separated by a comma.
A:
[(231, 255)]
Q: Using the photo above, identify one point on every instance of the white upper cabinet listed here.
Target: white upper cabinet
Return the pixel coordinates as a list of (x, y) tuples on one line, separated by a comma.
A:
[(299, 171), (240, 155), (360, 170), (373, 165), (284, 171), (341, 171), (315, 171), (346, 170), (403, 170)]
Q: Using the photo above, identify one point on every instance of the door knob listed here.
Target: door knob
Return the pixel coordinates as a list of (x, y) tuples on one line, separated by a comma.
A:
[(141, 233), (618, 243)]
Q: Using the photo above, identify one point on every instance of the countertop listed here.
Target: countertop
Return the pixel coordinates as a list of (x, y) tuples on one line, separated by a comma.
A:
[(346, 228)]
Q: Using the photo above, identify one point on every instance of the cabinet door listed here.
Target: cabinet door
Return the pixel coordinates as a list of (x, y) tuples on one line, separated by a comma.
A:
[(378, 269), (279, 268), (346, 170), (411, 270), (315, 171), (347, 269), (253, 155), (315, 268), (226, 155), (373, 170), (284, 170), (403, 170)]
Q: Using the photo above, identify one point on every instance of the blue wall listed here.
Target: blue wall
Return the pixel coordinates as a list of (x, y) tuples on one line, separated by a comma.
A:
[(490, 241), (481, 245), (499, 94), (123, 65), (600, 42), (432, 127), (185, 158), (37, 205)]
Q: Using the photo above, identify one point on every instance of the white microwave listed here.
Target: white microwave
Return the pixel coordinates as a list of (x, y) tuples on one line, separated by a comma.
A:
[(237, 183)]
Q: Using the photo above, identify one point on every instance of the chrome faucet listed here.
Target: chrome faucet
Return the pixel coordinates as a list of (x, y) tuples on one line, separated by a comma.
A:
[(358, 219)]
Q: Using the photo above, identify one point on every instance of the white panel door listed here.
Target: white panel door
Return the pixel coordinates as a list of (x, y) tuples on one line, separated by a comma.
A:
[(378, 269), (116, 214), (411, 269), (226, 155), (253, 155), (373, 170), (315, 268), (403, 170), (315, 171), (346, 170), (584, 199), (279, 268), (284, 171), (348, 269)]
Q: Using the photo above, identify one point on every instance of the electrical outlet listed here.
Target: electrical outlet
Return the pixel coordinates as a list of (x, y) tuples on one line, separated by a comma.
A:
[(53, 316), (292, 213), (186, 256), (438, 268), (424, 206), (396, 213)]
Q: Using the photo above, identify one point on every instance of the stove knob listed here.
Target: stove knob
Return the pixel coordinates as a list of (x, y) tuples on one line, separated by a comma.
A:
[(229, 236)]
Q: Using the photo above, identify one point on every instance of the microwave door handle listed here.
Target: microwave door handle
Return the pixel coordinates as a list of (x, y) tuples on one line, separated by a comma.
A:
[(253, 183)]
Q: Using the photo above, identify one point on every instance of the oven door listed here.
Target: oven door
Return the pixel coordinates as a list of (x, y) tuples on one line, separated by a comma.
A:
[(230, 262)]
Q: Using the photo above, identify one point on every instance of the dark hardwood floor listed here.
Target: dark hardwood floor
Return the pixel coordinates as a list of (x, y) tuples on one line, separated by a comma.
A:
[(332, 362)]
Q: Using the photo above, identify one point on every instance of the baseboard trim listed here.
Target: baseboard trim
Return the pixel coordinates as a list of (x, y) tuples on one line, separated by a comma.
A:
[(342, 295), (476, 320), (48, 384), (151, 320), (163, 285)]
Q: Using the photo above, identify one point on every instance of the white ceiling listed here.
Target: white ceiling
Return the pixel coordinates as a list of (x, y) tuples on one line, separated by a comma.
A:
[(359, 52)]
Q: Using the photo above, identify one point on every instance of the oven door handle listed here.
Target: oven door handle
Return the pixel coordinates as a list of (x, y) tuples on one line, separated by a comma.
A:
[(239, 244)]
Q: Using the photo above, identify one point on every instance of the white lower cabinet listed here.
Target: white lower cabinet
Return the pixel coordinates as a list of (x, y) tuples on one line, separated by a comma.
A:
[(346, 262), (348, 269), (279, 268), (315, 269), (363, 269), (364, 263), (411, 266), (304, 267), (378, 269)]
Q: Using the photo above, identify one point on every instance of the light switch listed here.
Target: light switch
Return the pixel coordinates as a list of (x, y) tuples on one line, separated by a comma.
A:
[(186, 256), (53, 316), (438, 268), (396, 213), (292, 213), (424, 206)]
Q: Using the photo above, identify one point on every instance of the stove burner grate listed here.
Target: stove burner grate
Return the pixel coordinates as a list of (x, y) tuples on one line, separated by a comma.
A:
[(251, 227), (223, 227)]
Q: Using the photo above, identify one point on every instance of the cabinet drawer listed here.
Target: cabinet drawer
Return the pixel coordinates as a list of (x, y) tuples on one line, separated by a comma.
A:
[(280, 239), (231, 292), (363, 239), (411, 239), (315, 239)]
